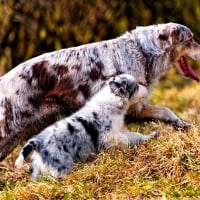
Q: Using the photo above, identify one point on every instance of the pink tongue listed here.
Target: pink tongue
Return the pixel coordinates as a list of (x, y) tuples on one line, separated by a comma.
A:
[(187, 69)]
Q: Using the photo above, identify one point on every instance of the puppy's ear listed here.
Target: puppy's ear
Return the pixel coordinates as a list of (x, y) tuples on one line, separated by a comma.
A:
[(113, 85), (117, 88)]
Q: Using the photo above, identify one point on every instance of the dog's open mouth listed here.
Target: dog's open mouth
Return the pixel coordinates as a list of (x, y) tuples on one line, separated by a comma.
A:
[(187, 69)]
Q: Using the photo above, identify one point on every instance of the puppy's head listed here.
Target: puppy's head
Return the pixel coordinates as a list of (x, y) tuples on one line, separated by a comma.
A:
[(126, 87)]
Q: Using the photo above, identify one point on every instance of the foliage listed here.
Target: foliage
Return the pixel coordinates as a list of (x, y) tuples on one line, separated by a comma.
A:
[(29, 28)]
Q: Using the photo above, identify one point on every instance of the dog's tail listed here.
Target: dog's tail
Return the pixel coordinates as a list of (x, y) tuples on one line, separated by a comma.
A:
[(28, 148)]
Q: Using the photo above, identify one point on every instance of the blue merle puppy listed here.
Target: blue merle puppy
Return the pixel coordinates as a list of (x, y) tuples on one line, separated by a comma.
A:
[(99, 124)]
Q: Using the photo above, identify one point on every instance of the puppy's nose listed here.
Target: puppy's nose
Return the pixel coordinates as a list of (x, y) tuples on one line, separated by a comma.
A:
[(144, 84)]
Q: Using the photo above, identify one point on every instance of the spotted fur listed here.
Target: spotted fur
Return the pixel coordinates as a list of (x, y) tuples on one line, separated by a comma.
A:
[(35, 92), (99, 124)]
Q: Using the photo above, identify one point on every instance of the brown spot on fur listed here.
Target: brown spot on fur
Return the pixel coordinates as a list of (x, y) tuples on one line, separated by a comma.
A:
[(46, 80), (85, 89), (62, 88), (163, 36), (61, 69), (96, 72), (65, 94), (76, 67), (26, 114), (34, 100), (5, 124)]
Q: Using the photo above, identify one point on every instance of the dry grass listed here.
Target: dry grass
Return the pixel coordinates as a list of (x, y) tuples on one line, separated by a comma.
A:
[(164, 168)]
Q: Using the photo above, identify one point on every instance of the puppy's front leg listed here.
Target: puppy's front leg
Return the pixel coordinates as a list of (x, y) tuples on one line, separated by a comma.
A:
[(163, 114), (135, 138)]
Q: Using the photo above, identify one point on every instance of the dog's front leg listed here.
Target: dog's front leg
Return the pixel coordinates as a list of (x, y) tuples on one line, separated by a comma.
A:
[(163, 114)]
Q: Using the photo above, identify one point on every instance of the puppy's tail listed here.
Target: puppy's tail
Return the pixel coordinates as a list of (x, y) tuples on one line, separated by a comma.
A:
[(28, 148)]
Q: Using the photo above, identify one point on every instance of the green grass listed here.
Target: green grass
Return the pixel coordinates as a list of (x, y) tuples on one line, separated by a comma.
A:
[(167, 167)]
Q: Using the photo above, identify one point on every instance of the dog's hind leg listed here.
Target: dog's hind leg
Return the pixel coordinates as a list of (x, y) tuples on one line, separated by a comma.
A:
[(163, 114), (135, 138)]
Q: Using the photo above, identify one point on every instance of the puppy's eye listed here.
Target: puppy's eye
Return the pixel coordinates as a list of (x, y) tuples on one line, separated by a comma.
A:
[(121, 90)]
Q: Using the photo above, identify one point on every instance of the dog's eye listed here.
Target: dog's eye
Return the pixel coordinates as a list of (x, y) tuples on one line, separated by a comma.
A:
[(163, 36)]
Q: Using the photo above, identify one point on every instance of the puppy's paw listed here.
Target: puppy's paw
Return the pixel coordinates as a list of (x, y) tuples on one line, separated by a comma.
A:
[(19, 161), (154, 134)]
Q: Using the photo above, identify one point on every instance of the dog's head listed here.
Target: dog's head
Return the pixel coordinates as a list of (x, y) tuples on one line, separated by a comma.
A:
[(178, 40), (126, 87), (171, 34)]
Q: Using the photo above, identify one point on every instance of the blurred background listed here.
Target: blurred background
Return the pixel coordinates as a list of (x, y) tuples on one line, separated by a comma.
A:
[(30, 28)]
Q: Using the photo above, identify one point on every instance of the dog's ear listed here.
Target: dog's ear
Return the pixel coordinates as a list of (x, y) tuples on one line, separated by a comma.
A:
[(164, 38), (173, 34), (180, 34)]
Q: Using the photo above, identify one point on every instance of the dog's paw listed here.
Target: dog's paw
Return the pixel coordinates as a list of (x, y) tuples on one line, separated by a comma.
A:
[(182, 124)]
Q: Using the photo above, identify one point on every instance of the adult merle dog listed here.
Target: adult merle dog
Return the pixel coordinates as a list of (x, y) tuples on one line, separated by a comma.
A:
[(35, 92)]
